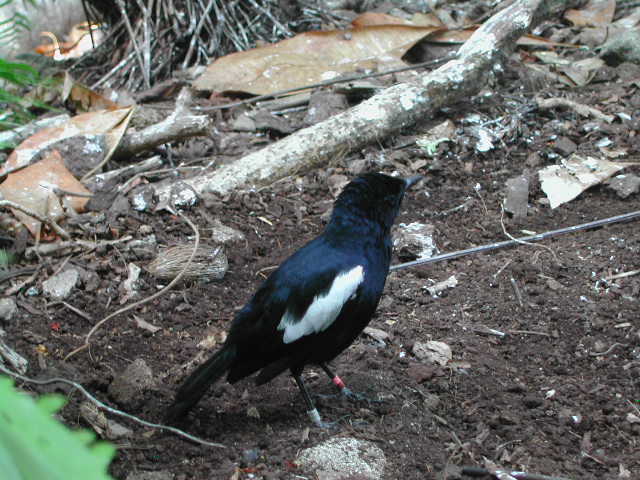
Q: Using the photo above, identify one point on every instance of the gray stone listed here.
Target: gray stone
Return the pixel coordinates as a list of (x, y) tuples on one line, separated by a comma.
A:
[(223, 234), (564, 146), (129, 388), (344, 457), (623, 47), (60, 285), (8, 308), (432, 352), (517, 196), (625, 185), (414, 240)]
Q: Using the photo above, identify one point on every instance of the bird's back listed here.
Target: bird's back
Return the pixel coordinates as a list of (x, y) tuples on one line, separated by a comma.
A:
[(300, 314)]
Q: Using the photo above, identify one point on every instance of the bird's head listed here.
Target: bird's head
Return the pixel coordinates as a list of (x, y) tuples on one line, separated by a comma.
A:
[(372, 197)]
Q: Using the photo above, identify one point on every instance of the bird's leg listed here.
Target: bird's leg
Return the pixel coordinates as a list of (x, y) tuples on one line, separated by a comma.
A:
[(344, 390), (336, 380), (312, 411)]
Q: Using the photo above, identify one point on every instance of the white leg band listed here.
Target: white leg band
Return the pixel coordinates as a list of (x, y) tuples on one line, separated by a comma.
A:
[(315, 416)]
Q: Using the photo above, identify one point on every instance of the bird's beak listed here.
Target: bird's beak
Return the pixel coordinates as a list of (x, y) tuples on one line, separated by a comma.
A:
[(411, 181)]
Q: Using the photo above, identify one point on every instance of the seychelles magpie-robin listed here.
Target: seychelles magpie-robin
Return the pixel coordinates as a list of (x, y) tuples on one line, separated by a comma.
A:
[(316, 303)]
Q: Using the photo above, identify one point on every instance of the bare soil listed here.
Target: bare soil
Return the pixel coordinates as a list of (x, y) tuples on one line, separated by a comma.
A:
[(552, 395)]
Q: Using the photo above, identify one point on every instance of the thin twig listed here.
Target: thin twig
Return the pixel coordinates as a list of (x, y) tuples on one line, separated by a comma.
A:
[(621, 275), (52, 248), (523, 242), (109, 409), (510, 243), (527, 332), (514, 284), (584, 110), (608, 350), (144, 300), (41, 218), (75, 310)]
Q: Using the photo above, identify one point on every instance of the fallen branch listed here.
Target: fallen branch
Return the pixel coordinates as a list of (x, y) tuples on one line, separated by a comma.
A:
[(395, 108), (579, 108), (41, 218), (102, 180), (181, 124), (60, 248)]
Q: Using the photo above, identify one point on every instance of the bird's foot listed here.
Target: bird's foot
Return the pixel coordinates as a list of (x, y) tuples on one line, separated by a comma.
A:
[(358, 397), (315, 418)]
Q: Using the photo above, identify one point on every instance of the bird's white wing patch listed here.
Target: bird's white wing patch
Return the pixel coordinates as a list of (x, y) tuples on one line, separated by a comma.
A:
[(324, 309)]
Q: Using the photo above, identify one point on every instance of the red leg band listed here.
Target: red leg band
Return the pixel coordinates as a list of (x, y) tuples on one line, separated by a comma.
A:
[(337, 381)]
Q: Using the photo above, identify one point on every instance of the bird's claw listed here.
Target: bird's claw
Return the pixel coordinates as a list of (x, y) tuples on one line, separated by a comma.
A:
[(315, 418), (358, 397)]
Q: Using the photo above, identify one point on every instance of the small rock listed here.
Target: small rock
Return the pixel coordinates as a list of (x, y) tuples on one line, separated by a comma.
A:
[(414, 240), (243, 123), (436, 289), (517, 196), (142, 198), (564, 146), (117, 431), (622, 47), (223, 234), (376, 334), (183, 195), (60, 286), (432, 352), (421, 373), (431, 401), (531, 402), (8, 308), (131, 284), (253, 412), (119, 206), (553, 284), (345, 457), (324, 104), (143, 248), (624, 185), (129, 388), (357, 167)]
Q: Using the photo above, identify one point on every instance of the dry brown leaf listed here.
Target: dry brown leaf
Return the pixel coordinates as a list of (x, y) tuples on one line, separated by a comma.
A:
[(83, 98), (310, 58), (109, 123), (31, 187), (596, 13)]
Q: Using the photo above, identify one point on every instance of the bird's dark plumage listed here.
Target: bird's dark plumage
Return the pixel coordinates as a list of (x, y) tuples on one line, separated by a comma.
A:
[(317, 302)]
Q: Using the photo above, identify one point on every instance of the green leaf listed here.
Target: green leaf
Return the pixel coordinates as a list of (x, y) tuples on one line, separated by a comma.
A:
[(35, 446)]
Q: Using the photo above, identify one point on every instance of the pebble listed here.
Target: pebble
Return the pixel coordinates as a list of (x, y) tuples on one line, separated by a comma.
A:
[(60, 286), (8, 308)]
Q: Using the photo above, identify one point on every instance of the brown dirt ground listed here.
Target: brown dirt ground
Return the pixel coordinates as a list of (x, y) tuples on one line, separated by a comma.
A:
[(552, 396)]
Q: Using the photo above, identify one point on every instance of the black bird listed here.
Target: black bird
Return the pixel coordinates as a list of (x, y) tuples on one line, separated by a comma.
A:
[(316, 303)]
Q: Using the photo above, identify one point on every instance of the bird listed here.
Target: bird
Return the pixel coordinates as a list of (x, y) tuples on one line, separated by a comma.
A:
[(316, 303)]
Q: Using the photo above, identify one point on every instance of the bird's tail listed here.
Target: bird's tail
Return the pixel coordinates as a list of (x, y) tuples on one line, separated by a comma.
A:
[(197, 384)]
